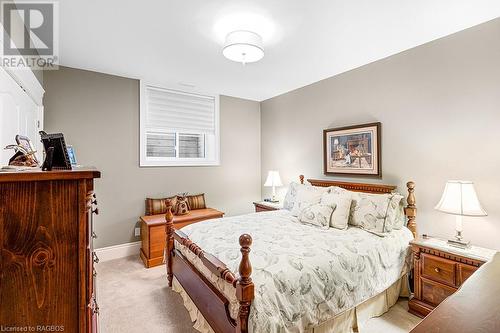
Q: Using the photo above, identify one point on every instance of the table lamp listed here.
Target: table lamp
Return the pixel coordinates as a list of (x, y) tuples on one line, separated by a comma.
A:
[(273, 179), (460, 199)]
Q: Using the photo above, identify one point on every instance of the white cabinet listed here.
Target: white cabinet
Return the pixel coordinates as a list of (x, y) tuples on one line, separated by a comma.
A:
[(21, 110)]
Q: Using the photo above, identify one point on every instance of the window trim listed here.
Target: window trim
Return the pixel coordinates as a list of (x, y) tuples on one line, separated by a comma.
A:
[(145, 161)]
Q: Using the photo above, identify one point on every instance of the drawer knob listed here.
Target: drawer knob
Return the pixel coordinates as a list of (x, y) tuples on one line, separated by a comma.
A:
[(96, 211), (437, 270), (95, 257), (94, 236)]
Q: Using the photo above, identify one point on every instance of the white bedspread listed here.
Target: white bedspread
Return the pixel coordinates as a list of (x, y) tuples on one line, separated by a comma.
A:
[(304, 275)]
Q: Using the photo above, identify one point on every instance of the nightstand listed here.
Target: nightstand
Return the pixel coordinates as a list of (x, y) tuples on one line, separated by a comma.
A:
[(264, 206), (439, 270)]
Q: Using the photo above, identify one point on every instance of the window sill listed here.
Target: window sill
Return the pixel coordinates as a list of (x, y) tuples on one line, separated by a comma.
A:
[(178, 163)]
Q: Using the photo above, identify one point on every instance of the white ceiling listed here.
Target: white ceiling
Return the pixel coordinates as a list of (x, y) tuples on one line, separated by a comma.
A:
[(177, 42)]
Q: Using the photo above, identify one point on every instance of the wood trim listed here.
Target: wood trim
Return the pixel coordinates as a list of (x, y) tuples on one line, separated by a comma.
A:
[(356, 187), (38, 175)]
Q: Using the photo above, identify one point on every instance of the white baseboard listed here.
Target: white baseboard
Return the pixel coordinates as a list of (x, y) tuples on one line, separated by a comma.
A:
[(118, 251)]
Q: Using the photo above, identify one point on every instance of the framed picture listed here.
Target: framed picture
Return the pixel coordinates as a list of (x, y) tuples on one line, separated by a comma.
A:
[(353, 150), (71, 155)]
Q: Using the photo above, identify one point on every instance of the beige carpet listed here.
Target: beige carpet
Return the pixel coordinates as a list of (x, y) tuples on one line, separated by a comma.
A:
[(135, 299)]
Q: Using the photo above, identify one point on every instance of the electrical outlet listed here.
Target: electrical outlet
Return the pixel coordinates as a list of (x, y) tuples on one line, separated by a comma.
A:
[(137, 232)]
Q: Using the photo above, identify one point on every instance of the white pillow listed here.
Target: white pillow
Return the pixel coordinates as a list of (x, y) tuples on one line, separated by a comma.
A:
[(375, 212), (340, 200), (396, 212), (306, 196), (317, 214), (291, 195)]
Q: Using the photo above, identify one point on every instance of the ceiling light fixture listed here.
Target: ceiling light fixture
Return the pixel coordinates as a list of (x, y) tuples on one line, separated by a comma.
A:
[(243, 46)]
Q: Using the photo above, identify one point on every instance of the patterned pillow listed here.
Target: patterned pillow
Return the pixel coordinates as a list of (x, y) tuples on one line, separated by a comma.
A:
[(196, 201), (370, 211), (318, 215), (181, 206), (306, 196), (341, 201), (158, 206), (399, 215), (291, 195)]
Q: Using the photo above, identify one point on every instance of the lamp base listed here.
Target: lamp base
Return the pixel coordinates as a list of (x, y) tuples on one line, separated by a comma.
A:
[(459, 243)]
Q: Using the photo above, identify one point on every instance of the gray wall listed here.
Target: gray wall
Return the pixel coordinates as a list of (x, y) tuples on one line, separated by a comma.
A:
[(99, 115), (439, 105)]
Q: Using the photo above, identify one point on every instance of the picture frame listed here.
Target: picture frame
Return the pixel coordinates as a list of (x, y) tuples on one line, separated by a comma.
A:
[(353, 150), (56, 153), (71, 155)]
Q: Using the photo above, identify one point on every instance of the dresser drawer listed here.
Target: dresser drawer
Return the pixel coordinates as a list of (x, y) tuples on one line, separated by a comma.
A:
[(464, 272), (439, 269), (435, 292)]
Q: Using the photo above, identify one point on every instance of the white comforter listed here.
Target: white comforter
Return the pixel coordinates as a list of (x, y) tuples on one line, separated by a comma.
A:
[(304, 275)]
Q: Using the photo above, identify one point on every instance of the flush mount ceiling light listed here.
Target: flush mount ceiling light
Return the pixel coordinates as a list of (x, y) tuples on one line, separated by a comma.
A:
[(243, 46)]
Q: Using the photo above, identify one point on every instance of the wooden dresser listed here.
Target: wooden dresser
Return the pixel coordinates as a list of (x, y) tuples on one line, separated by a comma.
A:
[(47, 276), (439, 270)]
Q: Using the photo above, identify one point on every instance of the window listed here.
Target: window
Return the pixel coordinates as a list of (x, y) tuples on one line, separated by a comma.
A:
[(178, 128)]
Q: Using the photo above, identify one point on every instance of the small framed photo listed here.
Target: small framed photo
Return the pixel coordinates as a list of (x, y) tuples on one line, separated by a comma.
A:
[(353, 150), (71, 155)]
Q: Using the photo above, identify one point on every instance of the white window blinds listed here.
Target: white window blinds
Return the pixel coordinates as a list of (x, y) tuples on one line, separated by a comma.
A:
[(171, 111), (178, 128)]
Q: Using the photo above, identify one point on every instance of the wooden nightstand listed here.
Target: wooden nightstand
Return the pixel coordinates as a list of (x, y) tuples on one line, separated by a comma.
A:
[(439, 270), (264, 206)]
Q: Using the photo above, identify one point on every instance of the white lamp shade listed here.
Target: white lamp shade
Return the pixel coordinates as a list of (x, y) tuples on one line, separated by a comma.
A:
[(243, 46), (460, 198), (273, 179)]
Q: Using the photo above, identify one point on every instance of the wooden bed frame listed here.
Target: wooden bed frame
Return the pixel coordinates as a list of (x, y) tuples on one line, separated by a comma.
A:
[(212, 304)]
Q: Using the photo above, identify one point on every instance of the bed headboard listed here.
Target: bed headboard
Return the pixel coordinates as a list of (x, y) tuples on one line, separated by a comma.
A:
[(410, 209)]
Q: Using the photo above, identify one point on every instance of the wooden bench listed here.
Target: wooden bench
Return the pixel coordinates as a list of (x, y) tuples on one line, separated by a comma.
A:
[(153, 232)]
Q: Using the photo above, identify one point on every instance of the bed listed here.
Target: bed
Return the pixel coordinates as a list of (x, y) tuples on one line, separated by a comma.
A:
[(304, 279)]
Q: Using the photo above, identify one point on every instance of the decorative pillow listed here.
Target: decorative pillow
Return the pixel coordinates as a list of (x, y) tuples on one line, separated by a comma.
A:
[(318, 215), (341, 202), (370, 211), (196, 201), (158, 206), (291, 195), (400, 217), (181, 206), (307, 195)]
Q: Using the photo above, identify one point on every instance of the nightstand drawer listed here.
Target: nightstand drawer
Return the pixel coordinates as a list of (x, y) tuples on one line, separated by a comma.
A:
[(434, 292), (439, 269), (261, 209), (464, 272)]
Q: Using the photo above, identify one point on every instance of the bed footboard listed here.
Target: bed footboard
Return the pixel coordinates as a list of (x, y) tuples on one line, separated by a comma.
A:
[(213, 305)]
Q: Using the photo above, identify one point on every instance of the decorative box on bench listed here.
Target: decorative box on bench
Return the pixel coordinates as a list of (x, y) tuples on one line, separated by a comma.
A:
[(153, 232)]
